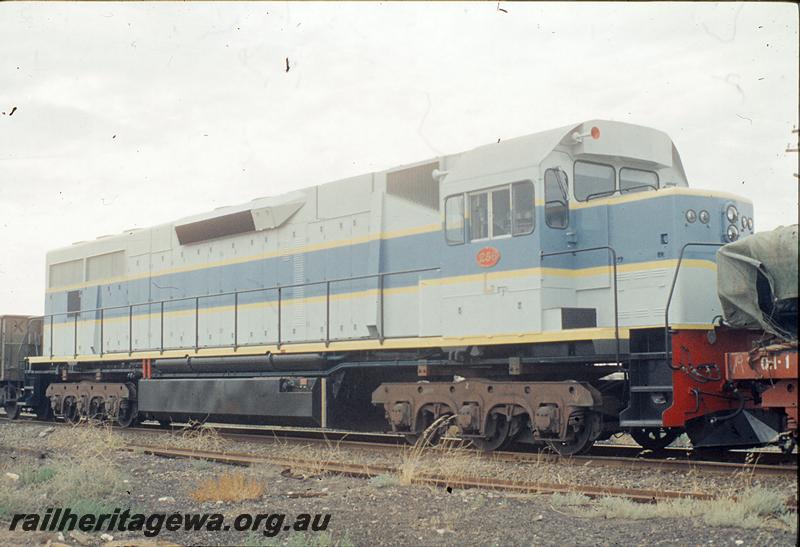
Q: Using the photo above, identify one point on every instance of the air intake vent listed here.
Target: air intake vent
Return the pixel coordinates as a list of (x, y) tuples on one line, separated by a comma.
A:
[(227, 225), (415, 184)]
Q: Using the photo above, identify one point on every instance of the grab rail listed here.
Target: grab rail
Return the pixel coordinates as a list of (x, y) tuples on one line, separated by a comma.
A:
[(279, 288), (667, 345)]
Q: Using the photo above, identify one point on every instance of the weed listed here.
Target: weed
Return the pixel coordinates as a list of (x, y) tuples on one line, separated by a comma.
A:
[(324, 539), (315, 460), (203, 438), (413, 464), (39, 475), (752, 508), (86, 441), (257, 539), (789, 518), (232, 486), (382, 481), (81, 475), (568, 499), (317, 540)]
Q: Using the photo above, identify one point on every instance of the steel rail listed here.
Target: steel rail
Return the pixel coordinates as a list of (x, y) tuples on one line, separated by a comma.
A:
[(600, 455), (432, 479)]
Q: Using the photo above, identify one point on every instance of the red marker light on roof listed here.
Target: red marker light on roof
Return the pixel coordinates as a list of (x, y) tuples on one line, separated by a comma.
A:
[(595, 133)]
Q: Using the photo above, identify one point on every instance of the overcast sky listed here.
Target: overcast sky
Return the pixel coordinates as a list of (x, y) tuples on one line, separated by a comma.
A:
[(129, 115)]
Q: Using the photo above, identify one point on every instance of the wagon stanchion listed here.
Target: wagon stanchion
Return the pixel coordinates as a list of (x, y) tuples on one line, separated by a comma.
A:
[(667, 345)]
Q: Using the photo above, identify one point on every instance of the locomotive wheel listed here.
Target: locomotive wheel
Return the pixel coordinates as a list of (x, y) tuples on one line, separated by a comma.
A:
[(127, 416), (12, 409), (581, 443), (431, 436), (497, 430), (97, 411), (71, 413), (654, 439), (515, 428)]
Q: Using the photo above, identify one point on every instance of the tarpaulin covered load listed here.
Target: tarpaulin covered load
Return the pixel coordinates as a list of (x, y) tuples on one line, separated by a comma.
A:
[(757, 282)]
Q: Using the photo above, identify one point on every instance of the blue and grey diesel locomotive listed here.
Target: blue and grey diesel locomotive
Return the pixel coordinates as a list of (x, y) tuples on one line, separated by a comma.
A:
[(520, 287)]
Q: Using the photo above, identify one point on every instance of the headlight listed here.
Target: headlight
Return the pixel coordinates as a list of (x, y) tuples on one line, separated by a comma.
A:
[(732, 233), (704, 216), (750, 223), (691, 216), (731, 213), (744, 222)]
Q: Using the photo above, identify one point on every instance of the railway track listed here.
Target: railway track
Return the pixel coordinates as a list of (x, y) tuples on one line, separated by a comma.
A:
[(620, 456), (603, 455), (433, 479)]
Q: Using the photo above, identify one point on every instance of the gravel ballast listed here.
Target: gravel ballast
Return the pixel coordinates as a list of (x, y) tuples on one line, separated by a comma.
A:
[(378, 511)]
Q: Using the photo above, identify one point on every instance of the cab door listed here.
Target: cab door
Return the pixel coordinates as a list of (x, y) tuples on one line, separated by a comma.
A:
[(576, 217)]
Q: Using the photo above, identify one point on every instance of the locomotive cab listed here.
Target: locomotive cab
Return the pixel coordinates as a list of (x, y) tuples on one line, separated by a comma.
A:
[(559, 209)]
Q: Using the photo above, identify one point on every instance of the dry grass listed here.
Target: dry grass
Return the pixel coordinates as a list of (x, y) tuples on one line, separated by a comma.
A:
[(87, 440), (203, 438), (411, 464), (570, 499), (451, 460), (382, 481), (751, 508), (231, 486), (81, 475), (315, 459)]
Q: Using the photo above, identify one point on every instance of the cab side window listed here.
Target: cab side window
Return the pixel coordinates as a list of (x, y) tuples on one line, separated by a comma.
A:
[(479, 216), (499, 212), (523, 208), (556, 198), (454, 220)]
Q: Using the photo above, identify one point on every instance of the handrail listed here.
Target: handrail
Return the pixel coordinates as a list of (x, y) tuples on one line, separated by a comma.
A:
[(667, 345), (279, 288), (612, 256)]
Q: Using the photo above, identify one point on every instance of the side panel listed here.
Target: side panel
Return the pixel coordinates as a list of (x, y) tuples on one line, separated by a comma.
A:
[(233, 399)]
